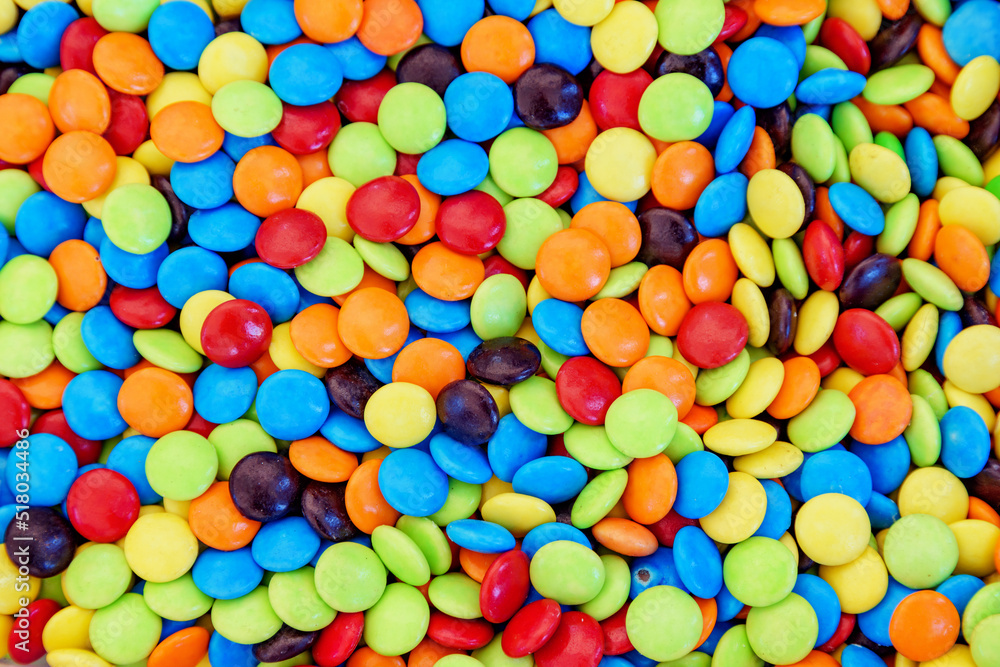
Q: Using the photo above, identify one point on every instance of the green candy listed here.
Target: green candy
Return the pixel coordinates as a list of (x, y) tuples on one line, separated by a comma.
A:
[(235, 440), (598, 497), (811, 30), (431, 540), (813, 147), (790, 267), (137, 218), (490, 187), (824, 423), (25, 349), (820, 58), (899, 84), (932, 284), (641, 423), (458, 660), (246, 620), (733, 649), (124, 15), (614, 593), (246, 108), (462, 500), (529, 223), (759, 571), (842, 168), (350, 577), (98, 576), (294, 598), (15, 187), (28, 287), (676, 107), (923, 435), (985, 603), (687, 28), (498, 307), (920, 551), (985, 642), (622, 281), (401, 555), (664, 623), (412, 118), (52, 590), (523, 163), (993, 186), (126, 630), (167, 349), (456, 594), (715, 385), (552, 361), (181, 465), (492, 655), (591, 447), (567, 572), (659, 346), (177, 600), (535, 404), (359, 153), (784, 632), (900, 309), (923, 384), (685, 441), (933, 11), (693, 659), (398, 621), (900, 223), (37, 84), (958, 160), (890, 141), (337, 269), (384, 259), (69, 348), (850, 125)]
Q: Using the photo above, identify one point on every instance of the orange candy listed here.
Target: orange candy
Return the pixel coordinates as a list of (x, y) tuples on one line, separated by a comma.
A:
[(186, 131), (761, 154), (79, 101), (446, 274), (390, 26), (79, 166), (425, 228), (430, 363), (981, 510), (709, 614), (327, 21), (82, 280), (681, 173), (960, 254), (816, 659), (475, 563), (572, 141), (710, 272), (314, 335), (264, 367), (924, 626), (215, 520), (267, 179), (572, 264), (33, 124), (928, 223), (934, 114), (753, 21), (615, 225), (368, 279), (366, 506), (893, 9), (789, 12), (885, 117), (427, 653), (625, 537), (662, 299), (930, 46), (365, 657), (798, 389), (651, 489), (44, 390), (184, 648), (373, 323), (319, 459), (825, 212), (499, 45), (724, 53), (615, 332), (155, 402), (667, 376), (126, 63), (314, 167), (701, 418), (883, 409)]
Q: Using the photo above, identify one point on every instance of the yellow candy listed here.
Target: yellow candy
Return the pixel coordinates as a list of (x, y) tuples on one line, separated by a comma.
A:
[(619, 163), (502, 397), (975, 87), (832, 529), (790, 544), (74, 657), (377, 454), (177, 87), (8, 16), (228, 8), (977, 402), (540, 6), (494, 487), (972, 359), (741, 512), (150, 157), (881, 172), (759, 388), (285, 356), (946, 184), (975, 209), (584, 12), (204, 5), (919, 336), (863, 15), (934, 491), (179, 507), (517, 512), (195, 311), (959, 655), (160, 547), (778, 460), (28, 4), (327, 198), (233, 56), (775, 203), (68, 628), (536, 294), (843, 379), (129, 171), (752, 255), (817, 318), (15, 589), (400, 414), (749, 300), (977, 542), (625, 38), (860, 584), (737, 437), (527, 332)]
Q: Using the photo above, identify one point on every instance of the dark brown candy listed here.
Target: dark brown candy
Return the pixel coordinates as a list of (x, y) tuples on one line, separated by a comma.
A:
[(777, 122), (784, 315), (704, 65), (178, 211), (286, 643), (984, 132), (264, 486), (323, 506), (806, 186), (350, 386), (430, 64), (504, 361), (975, 312), (546, 97), (894, 40), (872, 282), (468, 412), (42, 541), (667, 237)]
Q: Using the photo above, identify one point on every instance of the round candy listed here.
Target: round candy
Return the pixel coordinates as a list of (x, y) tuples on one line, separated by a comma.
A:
[(762, 72), (664, 605), (567, 572), (815, 541)]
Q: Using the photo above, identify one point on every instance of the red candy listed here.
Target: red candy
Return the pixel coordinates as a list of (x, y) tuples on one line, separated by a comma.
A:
[(840, 37), (359, 100), (141, 308), (562, 189), (616, 641), (338, 640), (735, 19), (383, 209), (471, 223), (826, 358), (102, 505), (495, 264), (290, 238), (200, 425), (586, 388), (305, 130), (577, 642), (129, 123), (866, 342), (505, 586), (823, 255), (76, 50), (712, 334), (460, 633), (857, 247), (14, 412), (666, 528), (530, 628), (614, 98), (54, 422), (236, 333), (27, 650), (844, 629), (406, 164)]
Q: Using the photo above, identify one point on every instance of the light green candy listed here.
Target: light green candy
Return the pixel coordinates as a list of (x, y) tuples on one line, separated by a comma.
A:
[(36, 84), (985, 642), (687, 28), (591, 447), (897, 85), (842, 168), (337, 269), (685, 441), (124, 15), (535, 404), (552, 361), (136, 218), (923, 435), (813, 147), (181, 465), (462, 500), (294, 599), (246, 108), (401, 555), (920, 551), (167, 349), (523, 163), (350, 577), (759, 571), (614, 593), (398, 621), (659, 346), (456, 594), (890, 141), (622, 281), (676, 107), (492, 655), (490, 187), (919, 337), (823, 423), (177, 600), (811, 30), (694, 659), (900, 223), (932, 284), (984, 604), (431, 540), (304, 658), (567, 572), (958, 160), (663, 623), (98, 576), (126, 630), (384, 259), (15, 187), (923, 384), (900, 309), (597, 498), (715, 385), (412, 118), (235, 440), (784, 632), (733, 650), (529, 223), (52, 590), (458, 660), (69, 348), (359, 153), (850, 125), (790, 267), (641, 423), (819, 58), (246, 620), (25, 349), (498, 307), (28, 287)]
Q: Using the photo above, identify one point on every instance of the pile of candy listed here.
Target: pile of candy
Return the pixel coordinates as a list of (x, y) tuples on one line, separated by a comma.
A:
[(561, 333)]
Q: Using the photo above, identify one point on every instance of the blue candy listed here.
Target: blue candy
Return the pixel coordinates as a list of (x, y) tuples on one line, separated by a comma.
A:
[(292, 405), (40, 32), (464, 340), (882, 511), (921, 160), (227, 228), (554, 479), (271, 288), (558, 324), (348, 433), (727, 605), (222, 395), (305, 74), (55, 314), (560, 42), (9, 50), (778, 512), (656, 569), (702, 482), (858, 656), (204, 184), (824, 111), (479, 105), (836, 472), (44, 221), (453, 167), (722, 112), (93, 233), (972, 30), (995, 274), (586, 194), (721, 204), (236, 147), (791, 36), (697, 561), (857, 208), (484, 537), (960, 589), (226, 575), (466, 463), (435, 315), (128, 458), (512, 446), (270, 21), (949, 325), (382, 368), (221, 651), (51, 465), (712, 641), (190, 270), (965, 442), (131, 270), (285, 545), (545, 533), (888, 463), (179, 32), (830, 86), (446, 21), (875, 622), (824, 601), (357, 63), (516, 9), (108, 339), (762, 72), (734, 142), (412, 483)]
